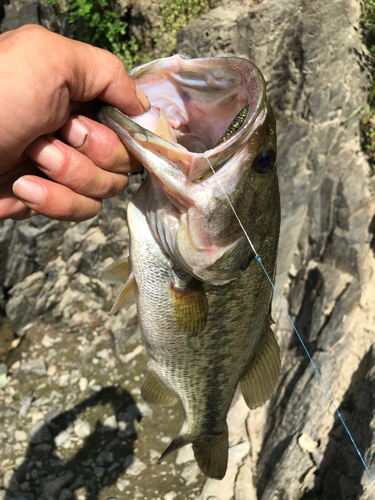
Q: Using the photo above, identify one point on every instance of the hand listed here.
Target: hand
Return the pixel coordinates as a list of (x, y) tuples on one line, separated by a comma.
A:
[(54, 161)]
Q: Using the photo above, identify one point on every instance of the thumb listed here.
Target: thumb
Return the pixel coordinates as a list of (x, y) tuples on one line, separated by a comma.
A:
[(99, 74)]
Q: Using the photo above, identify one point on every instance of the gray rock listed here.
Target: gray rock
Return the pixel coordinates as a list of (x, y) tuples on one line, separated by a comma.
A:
[(99, 471), (50, 489), (34, 368), (105, 457)]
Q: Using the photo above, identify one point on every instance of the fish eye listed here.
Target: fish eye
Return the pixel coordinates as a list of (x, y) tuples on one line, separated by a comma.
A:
[(265, 161)]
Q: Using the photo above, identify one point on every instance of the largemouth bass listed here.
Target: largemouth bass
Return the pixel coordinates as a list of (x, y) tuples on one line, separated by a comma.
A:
[(203, 299)]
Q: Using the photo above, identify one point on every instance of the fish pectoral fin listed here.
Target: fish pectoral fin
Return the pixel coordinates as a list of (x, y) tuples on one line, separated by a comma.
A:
[(190, 307), (117, 272), (211, 454), (154, 391), (260, 381), (127, 295)]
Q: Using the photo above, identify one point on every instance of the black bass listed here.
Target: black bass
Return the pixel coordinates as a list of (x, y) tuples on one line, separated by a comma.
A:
[(203, 299)]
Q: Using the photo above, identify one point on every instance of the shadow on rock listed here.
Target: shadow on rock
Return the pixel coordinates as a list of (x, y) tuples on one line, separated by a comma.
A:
[(105, 454), (340, 472)]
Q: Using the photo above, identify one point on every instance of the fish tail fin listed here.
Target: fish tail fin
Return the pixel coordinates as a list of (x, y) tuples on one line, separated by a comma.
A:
[(211, 454), (177, 442)]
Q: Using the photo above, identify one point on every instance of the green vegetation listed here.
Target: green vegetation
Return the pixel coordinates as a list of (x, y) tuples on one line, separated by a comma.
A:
[(96, 22), (175, 15)]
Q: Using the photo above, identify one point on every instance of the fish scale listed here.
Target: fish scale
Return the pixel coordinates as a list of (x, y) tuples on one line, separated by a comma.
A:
[(203, 301)]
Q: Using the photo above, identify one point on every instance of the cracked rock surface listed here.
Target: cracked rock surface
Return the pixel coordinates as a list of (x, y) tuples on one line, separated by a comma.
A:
[(72, 422)]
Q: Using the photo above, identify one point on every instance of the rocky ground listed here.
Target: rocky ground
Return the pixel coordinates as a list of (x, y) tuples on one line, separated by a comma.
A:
[(72, 422)]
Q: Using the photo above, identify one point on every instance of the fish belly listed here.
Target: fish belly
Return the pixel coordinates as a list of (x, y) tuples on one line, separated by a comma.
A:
[(202, 370)]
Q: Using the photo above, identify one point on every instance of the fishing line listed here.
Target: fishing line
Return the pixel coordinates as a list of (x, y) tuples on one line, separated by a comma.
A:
[(293, 325)]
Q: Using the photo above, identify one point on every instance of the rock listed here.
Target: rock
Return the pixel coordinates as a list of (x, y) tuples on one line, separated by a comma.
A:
[(185, 455), (83, 383), (8, 479), (99, 471), (237, 453), (82, 429), (34, 368), (110, 422), (140, 410), (64, 380), (121, 484), (65, 494), (103, 354), (134, 466), (51, 371), (105, 457), (23, 298), (131, 355), (51, 488), (61, 438), (171, 495), (25, 405), (20, 436), (244, 488), (190, 473), (40, 433), (237, 417), (47, 341), (307, 444)]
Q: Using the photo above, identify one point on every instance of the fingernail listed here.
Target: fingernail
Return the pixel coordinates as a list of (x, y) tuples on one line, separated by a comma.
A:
[(46, 155), (142, 97), (29, 191), (77, 133)]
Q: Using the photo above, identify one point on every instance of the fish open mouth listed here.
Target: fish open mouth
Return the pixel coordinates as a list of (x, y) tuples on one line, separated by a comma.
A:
[(205, 101), (202, 112)]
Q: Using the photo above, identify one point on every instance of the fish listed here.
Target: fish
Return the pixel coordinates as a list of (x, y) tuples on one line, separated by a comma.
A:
[(208, 145)]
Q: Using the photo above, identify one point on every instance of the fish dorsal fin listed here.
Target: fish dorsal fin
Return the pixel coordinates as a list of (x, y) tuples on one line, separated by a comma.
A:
[(190, 307), (154, 391), (127, 295), (261, 378), (117, 272)]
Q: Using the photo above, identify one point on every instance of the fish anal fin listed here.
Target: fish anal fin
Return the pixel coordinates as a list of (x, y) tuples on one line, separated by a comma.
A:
[(261, 378), (190, 307), (177, 442), (117, 272), (211, 454), (154, 391), (127, 295)]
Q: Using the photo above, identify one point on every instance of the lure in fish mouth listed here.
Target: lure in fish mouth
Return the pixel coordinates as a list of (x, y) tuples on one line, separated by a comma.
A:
[(203, 300)]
